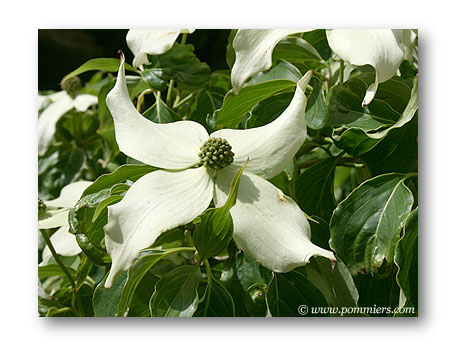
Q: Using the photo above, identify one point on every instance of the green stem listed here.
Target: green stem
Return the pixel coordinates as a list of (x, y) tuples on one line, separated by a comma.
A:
[(57, 258), (316, 73), (209, 285), (75, 298), (181, 102), (141, 99), (184, 38), (341, 72), (293, 179), (330, 75), (170, 92)]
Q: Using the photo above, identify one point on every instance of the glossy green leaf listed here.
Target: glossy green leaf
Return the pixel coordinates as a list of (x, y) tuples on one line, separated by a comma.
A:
[(84, 268), (268, 110), (406, 116), (137, 272), (316, 110), (336, 284), (121, 174), (248, 272), (89, 233), (406, 258), (176, 293), (160, 113), (397, 151), (221, 303), (314, 189), (293, 295), (106, 301), (104, 204), (365, 226), (385, 110), (179, 63), (206, 104), (53, 270), (236, 106), (216, 228), (282, 70), (317, 38), (298, 52), (99, 64)]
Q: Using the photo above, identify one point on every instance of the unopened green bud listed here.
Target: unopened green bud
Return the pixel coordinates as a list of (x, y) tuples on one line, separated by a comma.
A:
[(216, 153), (41, 205), (71, 85)]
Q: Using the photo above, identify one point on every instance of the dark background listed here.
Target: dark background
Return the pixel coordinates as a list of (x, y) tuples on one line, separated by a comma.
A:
[(62, 51)]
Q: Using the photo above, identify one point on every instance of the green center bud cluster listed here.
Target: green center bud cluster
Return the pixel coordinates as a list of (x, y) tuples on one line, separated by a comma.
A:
[(216, 153), (41, 205), (71, 85)]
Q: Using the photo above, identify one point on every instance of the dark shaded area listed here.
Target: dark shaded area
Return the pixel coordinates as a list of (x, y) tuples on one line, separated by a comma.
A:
[(60, 51)]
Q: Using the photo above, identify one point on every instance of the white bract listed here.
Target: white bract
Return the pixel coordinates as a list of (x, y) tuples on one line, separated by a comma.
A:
[(383, 49), (151, 41), (56, 215), (268, 225), (61, 104), (253, 48)]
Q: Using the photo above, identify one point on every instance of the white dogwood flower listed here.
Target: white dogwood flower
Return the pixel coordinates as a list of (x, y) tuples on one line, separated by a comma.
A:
[(383, 49), (151, 41), (61, 104), (55, 214), (268, 225)]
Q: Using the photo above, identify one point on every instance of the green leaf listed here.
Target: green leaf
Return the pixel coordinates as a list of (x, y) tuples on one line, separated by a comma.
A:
[(397, 151), (216, 228), (70, 163), (84, 268), (179, 63), (406, 258), (365, 226), (53, 270), (298, 52), (316, 110), (406, 116), (248, 272), (281, 70), (206, 104), (176, 293), (221, 302), (136, 273), (104, 204), (317, 38), (268, 110), (230, 53), (314, 189), (90, 234), (121, 174), (160, 113), (293, 295), (106, 301), (106, 128), (336, 284), (385, 110), (99, 64), (236, 106)]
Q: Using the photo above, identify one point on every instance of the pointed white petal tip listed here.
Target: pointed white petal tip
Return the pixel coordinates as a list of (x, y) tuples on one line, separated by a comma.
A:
[(151, 41), (304, 81), (169, 146)]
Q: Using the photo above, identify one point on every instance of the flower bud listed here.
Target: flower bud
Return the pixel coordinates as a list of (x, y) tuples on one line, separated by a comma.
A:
[(216, 153)]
